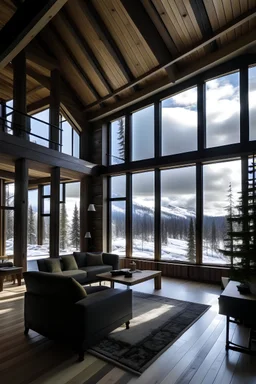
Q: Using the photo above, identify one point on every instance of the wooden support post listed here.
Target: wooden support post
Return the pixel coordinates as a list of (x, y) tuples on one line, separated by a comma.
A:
[(19, 122), (39, 216), (20, 213), (55, 110), (84, 202), (55, 212)]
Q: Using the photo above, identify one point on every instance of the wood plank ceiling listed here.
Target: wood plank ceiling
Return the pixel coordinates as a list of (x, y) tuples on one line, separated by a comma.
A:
[(111, 52)]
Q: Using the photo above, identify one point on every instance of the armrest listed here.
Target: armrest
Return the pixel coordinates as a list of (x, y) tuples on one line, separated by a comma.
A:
[(111, 259)]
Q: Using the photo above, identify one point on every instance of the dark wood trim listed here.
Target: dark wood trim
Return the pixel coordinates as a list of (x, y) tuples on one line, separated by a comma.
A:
[(244, 104), (39, 216), (54, 112), (199, 213), (128, 218), (28, 20), (21, 213), (55, 213), (157, 229), (201, 107)]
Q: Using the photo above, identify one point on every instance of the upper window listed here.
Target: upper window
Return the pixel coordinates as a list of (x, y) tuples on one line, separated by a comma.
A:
[(40, 128), (143, 134), (222, 111), (179, 123), (69, 140), (117, 151), (252, 103)]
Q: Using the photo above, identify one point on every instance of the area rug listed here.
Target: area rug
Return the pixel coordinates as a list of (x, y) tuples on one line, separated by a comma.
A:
[(157, 323)]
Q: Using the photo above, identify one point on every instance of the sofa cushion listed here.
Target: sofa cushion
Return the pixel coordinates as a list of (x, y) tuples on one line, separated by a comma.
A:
[(94, 259), (77, 274), (95, 270), (69, 263), (52, 265), (80, 258)]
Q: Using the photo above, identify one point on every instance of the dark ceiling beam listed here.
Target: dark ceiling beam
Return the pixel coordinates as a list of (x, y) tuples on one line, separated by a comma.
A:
[(203, 21), (250, 38), (102, 31), (85, 48), (35, 54), (34, 90), (149, 32), (44, 180), (6, 175), (38, 105), (28, 20)]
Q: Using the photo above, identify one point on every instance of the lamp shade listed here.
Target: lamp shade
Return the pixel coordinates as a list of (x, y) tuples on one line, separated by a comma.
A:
[(91, 207), (87, 235)]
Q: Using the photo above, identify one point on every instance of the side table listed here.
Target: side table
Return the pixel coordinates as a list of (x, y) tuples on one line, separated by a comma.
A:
[(10, 271)]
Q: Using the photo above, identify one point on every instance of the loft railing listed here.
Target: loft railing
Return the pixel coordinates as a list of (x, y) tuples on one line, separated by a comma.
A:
[(9, 126)]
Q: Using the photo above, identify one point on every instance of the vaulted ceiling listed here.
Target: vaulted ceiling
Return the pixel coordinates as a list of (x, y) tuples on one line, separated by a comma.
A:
[(113, 52)]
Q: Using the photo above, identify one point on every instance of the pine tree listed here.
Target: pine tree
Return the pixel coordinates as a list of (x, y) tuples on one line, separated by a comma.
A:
[(9, 224), (213, 237), (75, 229), (31, 226), (191, 242), (63, 226), (121, 138)]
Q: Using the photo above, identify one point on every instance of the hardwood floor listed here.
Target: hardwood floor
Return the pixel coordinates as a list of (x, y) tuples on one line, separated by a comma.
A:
[(198, 356)]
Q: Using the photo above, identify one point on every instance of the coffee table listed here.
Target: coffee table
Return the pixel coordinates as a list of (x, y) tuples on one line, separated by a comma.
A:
[(10, 271), (137, 277)]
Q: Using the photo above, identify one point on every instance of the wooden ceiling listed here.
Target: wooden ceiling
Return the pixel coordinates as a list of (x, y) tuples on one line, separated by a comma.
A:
[(113, 52)]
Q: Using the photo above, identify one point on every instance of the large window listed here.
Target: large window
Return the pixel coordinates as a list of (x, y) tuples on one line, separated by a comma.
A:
[(179, 123), (252, 103), (40, 128), (118, 214), (117, 144), (8, 210), (223, 111), (32, 240), (178, 214), (143, 134), (69, 139), (143, 210), (218, 178)]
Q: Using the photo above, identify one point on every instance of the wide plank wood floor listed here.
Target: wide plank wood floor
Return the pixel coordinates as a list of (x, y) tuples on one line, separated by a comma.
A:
[(198, 356)]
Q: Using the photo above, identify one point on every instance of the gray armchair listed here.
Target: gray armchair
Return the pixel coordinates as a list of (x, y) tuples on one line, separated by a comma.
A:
[(59, 308)]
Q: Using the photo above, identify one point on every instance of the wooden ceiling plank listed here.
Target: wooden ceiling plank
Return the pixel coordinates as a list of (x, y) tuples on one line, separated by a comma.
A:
[(24, 25), (96, 21), (217, 34), (149, 32), (85, 48)]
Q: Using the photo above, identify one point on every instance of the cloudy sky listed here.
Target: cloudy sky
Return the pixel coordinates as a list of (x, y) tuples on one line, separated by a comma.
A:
[(179, 128)]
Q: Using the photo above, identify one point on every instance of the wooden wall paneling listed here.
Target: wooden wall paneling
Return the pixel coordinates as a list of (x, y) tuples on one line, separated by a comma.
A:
[(55, 212), (54, 112), (20, 213)]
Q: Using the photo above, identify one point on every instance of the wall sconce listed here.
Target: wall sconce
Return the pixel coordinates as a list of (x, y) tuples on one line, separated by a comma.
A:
[(91, 207), (87, 235)]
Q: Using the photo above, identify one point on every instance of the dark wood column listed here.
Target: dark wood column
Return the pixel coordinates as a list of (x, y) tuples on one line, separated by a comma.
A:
[(19, 122), (55, 212), (40, 217), (84, 202), (20, 213), (54, 110)]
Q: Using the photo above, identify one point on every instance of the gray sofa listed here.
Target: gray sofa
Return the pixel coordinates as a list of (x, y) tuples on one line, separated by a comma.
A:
[(59, 308), (84, 274)]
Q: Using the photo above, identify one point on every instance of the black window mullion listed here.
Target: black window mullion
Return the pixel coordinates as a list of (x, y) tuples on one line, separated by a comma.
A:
[(199, 213), (244, 105), (157, 228), (128, 219)]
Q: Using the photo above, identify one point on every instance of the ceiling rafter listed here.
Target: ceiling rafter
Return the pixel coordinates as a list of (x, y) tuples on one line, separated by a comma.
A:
[(99, 26), (34, 90), (35, 54), (149, 32), (38, 106), (28, 20), (249, 15)]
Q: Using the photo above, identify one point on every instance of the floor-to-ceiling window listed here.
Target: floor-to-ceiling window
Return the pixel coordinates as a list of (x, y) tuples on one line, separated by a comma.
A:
[(8, 222), (69, 139)]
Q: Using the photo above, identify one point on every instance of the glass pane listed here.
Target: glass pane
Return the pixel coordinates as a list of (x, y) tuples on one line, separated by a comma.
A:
[(9, 113), (9, 231), (66, 138), (118, 186), (117, 212), (217, 178), (143, 134), (61, 193), (32, 220), (178, 214), (117, 141), (44, 249), (70, 220), (223, 111), (76, 144), (46, 205), (143, 210), (46, 190), (39, 128), (179, 123), (9, 195), (252, 103)]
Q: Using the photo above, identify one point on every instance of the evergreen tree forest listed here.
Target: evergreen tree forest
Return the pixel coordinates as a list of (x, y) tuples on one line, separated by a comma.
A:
[(75, 229), (31, 226), (121, 138), (63, 227)]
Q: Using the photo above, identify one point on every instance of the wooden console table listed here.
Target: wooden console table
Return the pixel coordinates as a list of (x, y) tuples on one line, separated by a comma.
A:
[(10, 271), (238, 306)]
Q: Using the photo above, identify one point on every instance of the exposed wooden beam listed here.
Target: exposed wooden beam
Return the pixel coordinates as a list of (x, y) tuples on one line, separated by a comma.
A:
[(30, 17), (85, 48), (54, 112), (34, 90), (7, 175), (41, 79), (149, 32), (38, 105), (250, 38), (99, 26), (35, 54), (43, 181)]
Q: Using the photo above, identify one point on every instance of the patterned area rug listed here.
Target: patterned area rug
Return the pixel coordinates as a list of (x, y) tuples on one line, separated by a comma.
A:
[(157, 322)]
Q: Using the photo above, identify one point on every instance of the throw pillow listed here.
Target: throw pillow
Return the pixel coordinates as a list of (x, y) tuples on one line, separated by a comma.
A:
[(69, 263), (80, 259), (94, 259), (53, 265), (79, 291)]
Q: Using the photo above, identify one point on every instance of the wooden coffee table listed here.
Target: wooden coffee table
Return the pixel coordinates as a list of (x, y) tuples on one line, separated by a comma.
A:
[(10, 271), (137, 277)]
